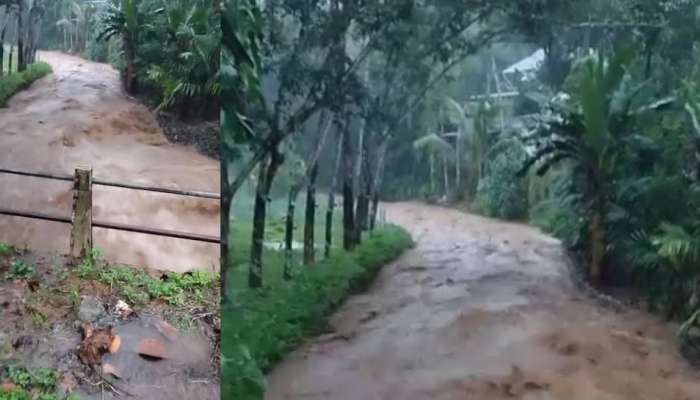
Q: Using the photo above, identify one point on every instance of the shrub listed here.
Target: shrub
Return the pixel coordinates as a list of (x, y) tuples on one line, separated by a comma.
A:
[(502, 194)]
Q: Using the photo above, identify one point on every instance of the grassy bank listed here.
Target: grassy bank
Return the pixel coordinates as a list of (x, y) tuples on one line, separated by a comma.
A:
[(13, 83), (262, 326)]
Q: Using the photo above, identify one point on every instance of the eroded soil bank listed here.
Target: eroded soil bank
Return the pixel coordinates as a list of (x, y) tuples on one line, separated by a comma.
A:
[(79, 116), (483, 310)]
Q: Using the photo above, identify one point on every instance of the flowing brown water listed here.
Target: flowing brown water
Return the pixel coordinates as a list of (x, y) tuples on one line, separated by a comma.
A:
[(79, 116), (483, 310)]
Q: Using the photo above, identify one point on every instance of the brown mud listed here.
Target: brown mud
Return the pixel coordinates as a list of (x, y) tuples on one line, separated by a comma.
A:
[(44, 319), (484, 310), (79, 116)]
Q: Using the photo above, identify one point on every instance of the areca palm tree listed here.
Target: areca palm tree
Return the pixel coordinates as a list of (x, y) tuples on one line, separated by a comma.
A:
[(472, 142), (436, 147), (196, 47), (122, 19)]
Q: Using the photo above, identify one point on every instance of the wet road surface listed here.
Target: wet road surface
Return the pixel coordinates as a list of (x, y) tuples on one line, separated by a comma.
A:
[(483, 310)]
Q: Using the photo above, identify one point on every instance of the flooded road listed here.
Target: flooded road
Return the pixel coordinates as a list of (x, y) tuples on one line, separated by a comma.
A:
[(79, 116), (483, 310)]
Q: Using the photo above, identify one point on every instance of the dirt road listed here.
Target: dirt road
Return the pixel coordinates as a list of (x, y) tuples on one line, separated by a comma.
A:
[(80, 116), (483, 310)]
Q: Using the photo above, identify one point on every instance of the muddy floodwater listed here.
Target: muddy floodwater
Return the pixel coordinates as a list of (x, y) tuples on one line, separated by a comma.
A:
[(79, 116), (483, 310)]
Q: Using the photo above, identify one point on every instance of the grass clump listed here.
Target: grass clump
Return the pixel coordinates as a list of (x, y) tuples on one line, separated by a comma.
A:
[(31, 384), (263, 325), (6, 250), (138, 287), (13, 83), (20, 270)]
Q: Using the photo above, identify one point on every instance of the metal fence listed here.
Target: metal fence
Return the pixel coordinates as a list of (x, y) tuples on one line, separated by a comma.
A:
[(81, 220)]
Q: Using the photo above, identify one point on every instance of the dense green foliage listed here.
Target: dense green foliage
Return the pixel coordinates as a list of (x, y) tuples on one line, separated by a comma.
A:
[(166, 51), (263, 325), (169, 50), (32, 384), (13, 83), (501, 193)]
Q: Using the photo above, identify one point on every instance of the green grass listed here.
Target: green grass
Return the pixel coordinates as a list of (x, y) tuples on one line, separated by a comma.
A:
[(20, 270), (31, 384), (14, 82), (138, 287), (241, 230), (6, 250), (261, 326)]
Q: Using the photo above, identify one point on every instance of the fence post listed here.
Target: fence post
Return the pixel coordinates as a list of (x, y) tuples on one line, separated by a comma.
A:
[(81, 230)]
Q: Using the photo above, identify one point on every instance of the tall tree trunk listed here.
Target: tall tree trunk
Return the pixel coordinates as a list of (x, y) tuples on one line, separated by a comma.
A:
[(2, 44), (225, 215), (432, 174), (265, 179), (349, 231), (376, 183), (9, 60), (130, 68), (20, 37), (597, 233), (331, 199), (289, 232), (310, 220), (447, 178), (309, 179)]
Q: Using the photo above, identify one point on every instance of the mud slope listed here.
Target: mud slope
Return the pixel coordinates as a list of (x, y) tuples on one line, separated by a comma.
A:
[(483, 310), (80, 116)]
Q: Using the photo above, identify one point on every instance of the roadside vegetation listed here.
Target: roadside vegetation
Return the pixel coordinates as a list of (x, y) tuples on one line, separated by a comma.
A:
[(19, 66), (262, 325), (12, 83)]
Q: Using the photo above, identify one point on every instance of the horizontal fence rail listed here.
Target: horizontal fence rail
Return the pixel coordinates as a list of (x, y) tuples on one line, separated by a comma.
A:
[(81, 220), (111, 225), (101, 182)]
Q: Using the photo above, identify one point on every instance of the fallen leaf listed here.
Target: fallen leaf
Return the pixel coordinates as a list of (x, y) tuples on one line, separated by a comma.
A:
[(111, 370), (167, 330), (7, 387), (94, 346), (87, 329), (152, 348), (116, 343)]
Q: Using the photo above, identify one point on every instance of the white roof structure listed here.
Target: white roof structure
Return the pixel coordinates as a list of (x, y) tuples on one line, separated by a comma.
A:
[(528, 65)]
